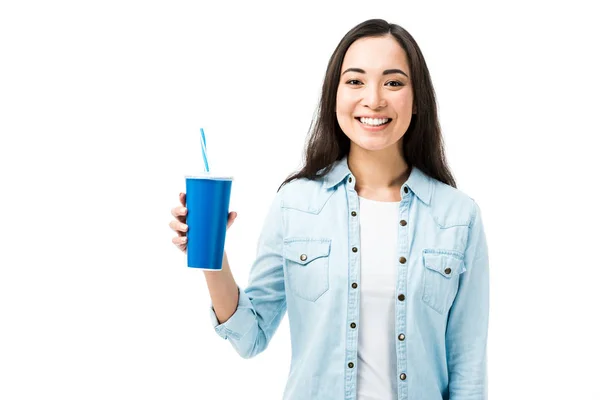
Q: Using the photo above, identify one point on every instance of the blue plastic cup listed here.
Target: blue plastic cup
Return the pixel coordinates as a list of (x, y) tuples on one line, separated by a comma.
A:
[(207, 203)]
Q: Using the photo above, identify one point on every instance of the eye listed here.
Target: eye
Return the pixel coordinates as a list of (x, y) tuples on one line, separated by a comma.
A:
[(396, 83), (353, 82)]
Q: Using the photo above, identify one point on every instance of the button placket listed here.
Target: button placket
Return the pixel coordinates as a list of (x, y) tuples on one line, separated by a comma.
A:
[(403, 246), (353, 277)]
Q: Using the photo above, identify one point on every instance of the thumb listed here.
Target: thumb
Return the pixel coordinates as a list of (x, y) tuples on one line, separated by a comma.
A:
[(232, 216)]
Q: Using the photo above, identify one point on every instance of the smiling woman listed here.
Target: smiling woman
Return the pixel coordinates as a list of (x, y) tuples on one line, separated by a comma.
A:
[(380, 261), (377, 99), (374, 93)]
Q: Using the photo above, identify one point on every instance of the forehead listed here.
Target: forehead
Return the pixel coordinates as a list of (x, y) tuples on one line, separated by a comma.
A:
[(375, 53)]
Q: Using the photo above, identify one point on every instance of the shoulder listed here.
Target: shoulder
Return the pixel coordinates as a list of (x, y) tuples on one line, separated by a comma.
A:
[(451, 206), (304, 194)]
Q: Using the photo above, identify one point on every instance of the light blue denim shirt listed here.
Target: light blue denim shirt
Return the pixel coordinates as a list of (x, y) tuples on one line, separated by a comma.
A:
[(308, 264)]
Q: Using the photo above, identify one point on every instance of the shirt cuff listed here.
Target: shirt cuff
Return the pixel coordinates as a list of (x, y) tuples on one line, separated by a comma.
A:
[(239, 323)]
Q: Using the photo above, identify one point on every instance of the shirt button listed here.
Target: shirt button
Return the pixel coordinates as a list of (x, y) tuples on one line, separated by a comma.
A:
[(353, 325), (405, 189), (303, 257), (401, 297), (403, 376), (350, 180), (447, 271), (354, 249), (403, 223), (350, 365), (401, 336), (353, 213), (354, 285), (402, 260)]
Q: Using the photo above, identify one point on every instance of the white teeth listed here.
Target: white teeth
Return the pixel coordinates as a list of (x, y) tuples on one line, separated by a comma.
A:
[(374, 121)]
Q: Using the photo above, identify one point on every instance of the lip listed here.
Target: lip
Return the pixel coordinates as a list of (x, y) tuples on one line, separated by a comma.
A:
[(373, 116)]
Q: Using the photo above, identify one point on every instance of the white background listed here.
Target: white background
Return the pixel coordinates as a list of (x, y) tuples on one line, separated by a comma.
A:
[(100, 106)]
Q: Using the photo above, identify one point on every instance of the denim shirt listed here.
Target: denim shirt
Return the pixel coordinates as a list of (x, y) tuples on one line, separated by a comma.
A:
[(308, 264)]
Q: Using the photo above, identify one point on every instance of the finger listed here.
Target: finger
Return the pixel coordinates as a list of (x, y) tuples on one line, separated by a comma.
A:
[(182, 198), (178, 227), (180, 213), (180, 241)]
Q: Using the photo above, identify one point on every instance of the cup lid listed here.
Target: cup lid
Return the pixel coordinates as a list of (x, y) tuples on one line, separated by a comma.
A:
[(210, 176)]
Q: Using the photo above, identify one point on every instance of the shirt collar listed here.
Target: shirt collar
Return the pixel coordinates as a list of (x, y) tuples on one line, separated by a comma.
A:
[(419, 182)]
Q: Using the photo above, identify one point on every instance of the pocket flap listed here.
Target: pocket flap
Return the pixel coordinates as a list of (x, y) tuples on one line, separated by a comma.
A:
[(447, 263), (303, 251)]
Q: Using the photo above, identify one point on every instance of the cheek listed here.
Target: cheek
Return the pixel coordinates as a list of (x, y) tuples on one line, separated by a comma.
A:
[(403, 101), (344, 102)]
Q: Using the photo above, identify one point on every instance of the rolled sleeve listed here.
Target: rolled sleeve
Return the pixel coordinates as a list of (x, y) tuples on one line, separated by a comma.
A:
[(239, 323)]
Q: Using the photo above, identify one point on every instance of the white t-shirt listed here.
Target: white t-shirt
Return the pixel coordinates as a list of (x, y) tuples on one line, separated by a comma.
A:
[(376, 346)]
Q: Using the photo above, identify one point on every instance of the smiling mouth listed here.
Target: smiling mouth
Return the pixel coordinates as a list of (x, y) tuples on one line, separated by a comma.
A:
[(373, 122)]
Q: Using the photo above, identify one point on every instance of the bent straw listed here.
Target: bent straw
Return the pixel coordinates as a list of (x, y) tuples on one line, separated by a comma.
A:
[(204, 156)]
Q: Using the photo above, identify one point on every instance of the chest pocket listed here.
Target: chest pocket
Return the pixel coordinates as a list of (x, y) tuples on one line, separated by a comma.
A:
[(307, 266), (440, 277)]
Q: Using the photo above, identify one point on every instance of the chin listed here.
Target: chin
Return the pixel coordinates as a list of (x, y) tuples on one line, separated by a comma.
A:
[(371, 146)]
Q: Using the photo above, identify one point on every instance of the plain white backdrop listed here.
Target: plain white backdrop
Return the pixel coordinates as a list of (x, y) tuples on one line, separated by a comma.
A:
[(100, 109)]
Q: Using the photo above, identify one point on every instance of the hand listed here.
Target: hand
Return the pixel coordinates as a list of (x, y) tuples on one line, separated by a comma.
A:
[(180, 227)]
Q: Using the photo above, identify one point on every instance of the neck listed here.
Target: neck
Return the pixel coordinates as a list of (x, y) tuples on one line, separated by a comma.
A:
[(378, 171)]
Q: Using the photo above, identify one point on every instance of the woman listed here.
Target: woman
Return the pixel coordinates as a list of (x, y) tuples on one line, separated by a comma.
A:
[(380, 262)]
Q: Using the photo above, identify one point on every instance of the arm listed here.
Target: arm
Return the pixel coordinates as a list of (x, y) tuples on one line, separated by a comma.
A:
[(224, 292), (262, 305), (467, 328)]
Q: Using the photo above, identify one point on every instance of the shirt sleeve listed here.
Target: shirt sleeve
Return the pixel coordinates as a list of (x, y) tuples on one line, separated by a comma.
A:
[(262, 305), (467, 328)]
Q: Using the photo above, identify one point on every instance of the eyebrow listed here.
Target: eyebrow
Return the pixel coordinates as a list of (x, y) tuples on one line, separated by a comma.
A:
[(386, 72)]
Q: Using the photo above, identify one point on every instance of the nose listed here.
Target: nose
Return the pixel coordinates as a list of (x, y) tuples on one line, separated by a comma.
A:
[(373, 97)]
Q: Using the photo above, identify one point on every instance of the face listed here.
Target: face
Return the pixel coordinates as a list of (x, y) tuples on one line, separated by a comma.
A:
[(374, 102)]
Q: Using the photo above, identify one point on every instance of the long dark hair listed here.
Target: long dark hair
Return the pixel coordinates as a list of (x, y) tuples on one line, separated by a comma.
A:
[(423, 143)]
